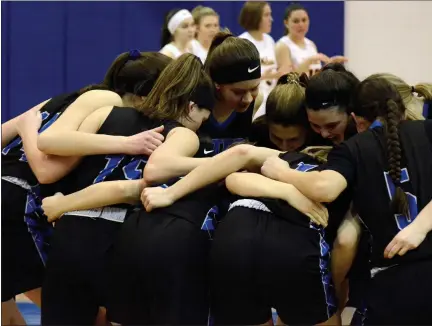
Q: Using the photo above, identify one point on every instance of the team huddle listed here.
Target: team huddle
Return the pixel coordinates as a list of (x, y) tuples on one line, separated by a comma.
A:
[(155, 198)]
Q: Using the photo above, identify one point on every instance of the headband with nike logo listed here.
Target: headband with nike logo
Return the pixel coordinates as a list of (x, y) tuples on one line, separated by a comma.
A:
[(237, 72)]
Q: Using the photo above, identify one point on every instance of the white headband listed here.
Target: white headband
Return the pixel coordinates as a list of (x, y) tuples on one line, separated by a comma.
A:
[(177, 19)]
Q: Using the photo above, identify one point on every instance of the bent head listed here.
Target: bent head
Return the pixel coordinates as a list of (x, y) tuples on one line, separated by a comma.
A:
[(184, 92), (328, 97), (286, 114), (234, 66), (135, 72)]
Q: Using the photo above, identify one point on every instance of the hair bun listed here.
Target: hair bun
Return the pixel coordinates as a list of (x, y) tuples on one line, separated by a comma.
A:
[(293, 78), (335, 67)]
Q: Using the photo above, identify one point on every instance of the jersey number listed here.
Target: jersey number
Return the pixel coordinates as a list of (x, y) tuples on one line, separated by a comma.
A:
[(402, 221), (131, 171)]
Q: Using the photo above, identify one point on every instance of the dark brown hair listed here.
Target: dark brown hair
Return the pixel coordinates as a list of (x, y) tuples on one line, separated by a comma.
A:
[(289, 10), (251, 15), (135, 72), (172, 92), (377, 98), (226, 50), (166, 36)]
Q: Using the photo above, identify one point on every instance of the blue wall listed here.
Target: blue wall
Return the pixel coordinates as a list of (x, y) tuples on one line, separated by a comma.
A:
[(54, 47)]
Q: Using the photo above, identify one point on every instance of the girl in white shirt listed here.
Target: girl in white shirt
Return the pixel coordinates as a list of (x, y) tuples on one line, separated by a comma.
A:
[(177, 33), (207, 25), (295, 49)]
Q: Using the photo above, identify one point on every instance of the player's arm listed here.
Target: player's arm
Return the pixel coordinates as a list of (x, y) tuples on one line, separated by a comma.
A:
[(97, 195), (256, 185), (174, 157), (9, 130), (63, 136), (49, 168), (321, 186), (217, 168)]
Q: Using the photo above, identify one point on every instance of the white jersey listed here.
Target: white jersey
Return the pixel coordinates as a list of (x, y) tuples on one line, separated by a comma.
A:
[(267, 51), (170, 47), (299, 54), (199, 50)]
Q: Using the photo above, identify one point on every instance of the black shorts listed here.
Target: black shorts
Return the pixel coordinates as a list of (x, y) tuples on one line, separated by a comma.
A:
[(22, 267), (259, 261), (75, 283), (159, 272), (401, 295)]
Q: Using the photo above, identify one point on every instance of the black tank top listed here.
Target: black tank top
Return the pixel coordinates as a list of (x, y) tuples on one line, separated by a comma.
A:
[(14, 161), (98, 168), (362, 161), (217, 137), (337, 209)]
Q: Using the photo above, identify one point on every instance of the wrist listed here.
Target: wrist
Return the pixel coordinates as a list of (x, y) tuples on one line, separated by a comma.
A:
[(172, 193), (123, 145)]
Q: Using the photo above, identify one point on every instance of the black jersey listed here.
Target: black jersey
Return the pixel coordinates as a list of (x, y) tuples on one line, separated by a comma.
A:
[(14, 161), (98, 168), (362, 161), (235, 129), (337, 209)]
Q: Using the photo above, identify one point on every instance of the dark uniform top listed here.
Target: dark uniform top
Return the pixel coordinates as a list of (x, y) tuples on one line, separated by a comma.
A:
[(362, 161), (217, 137)]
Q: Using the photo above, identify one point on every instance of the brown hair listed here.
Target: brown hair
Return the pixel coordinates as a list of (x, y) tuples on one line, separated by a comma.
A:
[(289, 10), (413, 103), (135, 72), (251, 15), (172, 92), (378, 98), (286, 103), (226, 50)]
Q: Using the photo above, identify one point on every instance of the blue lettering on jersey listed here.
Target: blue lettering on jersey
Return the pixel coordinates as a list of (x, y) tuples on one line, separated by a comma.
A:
[(18, 141), (210, 221), (221, 144), (132, 171), (303, 167), (402, 221)]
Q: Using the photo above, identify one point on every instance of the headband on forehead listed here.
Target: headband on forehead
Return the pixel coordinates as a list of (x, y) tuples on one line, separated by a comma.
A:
[(204, 97), (240, 71), (177, 19)]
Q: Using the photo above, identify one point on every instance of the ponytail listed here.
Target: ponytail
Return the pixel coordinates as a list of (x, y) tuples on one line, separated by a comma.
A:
[(424, 90), (114, 70), (399, 203)]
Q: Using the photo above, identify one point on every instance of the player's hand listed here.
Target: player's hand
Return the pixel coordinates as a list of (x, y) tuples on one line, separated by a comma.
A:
[(30, 120), (338, 59), (407, 239), (274, 167), (145, 142), (51, 205), (317, 212), (317, 58), (156, 197)]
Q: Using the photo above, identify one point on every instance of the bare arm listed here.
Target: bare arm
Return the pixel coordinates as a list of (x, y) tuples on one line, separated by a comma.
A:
[(97, 195), (283, 58), (48, 168), (50, 142), (174, 157), (256, 185), (9, 130), (219, 167)]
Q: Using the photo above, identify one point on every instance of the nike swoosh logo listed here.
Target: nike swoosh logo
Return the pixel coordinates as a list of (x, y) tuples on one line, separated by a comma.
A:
[(252, 70), (207, 152)]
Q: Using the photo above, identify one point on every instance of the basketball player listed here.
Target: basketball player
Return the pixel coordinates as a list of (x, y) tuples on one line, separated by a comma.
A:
[(234, 66), (295, 49), (182, 96), (394, 158), (285, 125), (177, 33), (25, 232)]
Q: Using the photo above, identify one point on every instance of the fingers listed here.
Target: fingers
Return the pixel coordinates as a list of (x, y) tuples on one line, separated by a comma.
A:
[(158, 129), (156, 136), (392, 249)]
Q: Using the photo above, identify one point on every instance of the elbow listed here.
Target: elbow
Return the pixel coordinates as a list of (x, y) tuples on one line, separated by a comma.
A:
[(44, 176), (153, 174), (43, 141)]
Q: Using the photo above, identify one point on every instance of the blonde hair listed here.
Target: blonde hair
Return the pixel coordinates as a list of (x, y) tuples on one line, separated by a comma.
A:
[(319, 153), (199, 12), (413, 103)]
